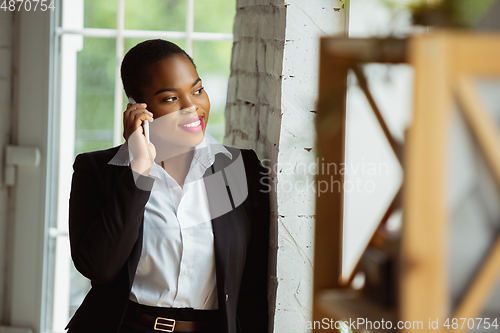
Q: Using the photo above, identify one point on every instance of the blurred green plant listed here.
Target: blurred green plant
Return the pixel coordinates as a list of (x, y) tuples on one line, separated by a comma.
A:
[(449, 13), (167, 15), (95, 95), (100, 14)]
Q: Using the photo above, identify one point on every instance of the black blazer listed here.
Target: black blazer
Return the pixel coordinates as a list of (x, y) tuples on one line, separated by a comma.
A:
[(106, 223)]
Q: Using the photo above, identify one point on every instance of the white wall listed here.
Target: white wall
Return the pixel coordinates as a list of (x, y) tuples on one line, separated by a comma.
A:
[(270, 108), (6, 48)]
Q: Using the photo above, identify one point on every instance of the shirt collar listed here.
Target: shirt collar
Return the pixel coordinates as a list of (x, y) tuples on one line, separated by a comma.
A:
[(204, 153)]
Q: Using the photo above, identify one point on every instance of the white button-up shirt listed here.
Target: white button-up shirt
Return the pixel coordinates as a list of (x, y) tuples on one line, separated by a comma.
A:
[(177, 264)]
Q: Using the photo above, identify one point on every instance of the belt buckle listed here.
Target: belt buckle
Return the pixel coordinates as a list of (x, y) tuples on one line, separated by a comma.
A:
[(168, 325)]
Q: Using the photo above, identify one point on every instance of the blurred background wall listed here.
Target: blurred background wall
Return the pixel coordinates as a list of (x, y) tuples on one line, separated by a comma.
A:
[(6, 69)]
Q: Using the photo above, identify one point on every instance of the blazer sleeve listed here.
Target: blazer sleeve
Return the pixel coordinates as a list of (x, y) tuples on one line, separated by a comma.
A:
[(252, 309), (104, 218)]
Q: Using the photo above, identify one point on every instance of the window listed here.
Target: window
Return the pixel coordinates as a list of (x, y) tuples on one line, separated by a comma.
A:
[(93, 36)]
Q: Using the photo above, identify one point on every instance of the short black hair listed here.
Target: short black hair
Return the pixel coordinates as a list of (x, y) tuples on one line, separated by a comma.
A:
[(135, 65)]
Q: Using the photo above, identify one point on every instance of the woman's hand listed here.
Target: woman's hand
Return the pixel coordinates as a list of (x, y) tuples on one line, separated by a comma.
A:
[(143, 154)]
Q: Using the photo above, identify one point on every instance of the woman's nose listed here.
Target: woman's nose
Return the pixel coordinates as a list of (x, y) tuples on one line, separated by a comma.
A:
[(189, 109), (188, 105)]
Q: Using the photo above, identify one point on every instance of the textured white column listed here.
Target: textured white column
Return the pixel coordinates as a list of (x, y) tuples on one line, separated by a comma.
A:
[(271, 108)]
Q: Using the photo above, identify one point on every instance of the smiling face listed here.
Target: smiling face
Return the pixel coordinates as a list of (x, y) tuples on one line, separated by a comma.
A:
[(179, 104)]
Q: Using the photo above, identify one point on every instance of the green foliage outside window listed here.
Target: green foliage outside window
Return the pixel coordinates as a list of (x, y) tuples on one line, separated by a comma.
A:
[(448, 13)]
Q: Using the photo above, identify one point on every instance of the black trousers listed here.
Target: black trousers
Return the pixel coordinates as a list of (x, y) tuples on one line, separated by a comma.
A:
[(131, 323)]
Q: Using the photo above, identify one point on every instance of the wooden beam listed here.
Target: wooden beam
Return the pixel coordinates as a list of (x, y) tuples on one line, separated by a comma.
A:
[(423, 280), (477, 54), (330, 129), (381, 50)]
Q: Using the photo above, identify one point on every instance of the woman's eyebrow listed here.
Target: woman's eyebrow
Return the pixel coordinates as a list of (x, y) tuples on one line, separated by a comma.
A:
[(195, 82), (175, 89)]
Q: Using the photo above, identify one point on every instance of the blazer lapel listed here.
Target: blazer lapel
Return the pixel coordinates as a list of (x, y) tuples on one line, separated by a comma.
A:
[(226, 185), (218, 201)]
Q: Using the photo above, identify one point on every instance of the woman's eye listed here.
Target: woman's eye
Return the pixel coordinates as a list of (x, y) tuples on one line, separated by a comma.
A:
[(198, 92), (170, 99)]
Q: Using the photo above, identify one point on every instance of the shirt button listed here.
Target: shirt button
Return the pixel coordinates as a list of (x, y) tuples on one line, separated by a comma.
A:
[(227, 296)]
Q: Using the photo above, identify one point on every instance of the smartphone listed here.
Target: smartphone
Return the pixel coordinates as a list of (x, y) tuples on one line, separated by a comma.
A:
[(145, 123)]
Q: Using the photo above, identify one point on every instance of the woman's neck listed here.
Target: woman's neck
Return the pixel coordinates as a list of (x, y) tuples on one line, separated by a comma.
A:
[(178, 166)]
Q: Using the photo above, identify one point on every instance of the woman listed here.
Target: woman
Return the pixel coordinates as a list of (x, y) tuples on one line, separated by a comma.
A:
[(173, 234)]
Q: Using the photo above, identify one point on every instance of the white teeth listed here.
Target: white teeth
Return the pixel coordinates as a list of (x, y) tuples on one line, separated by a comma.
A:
[(193, 124)]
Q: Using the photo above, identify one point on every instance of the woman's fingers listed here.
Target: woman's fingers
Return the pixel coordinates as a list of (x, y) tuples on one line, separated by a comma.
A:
[(143, 153), (133, 107), (135, 120), (131, 113), (133, 117), (128, 116)]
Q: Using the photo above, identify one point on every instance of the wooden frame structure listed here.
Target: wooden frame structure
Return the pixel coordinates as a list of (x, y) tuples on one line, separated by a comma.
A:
[(445, 63)]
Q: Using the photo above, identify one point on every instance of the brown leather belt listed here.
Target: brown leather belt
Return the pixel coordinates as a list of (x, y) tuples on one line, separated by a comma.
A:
[(172, 325)]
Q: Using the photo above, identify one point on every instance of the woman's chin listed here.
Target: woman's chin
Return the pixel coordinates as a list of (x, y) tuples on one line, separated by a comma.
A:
[(165, 147), (191, 140)]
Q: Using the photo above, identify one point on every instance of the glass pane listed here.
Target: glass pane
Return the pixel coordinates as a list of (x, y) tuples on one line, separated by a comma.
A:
[(95, 95), (488, 88), (372, 172), (213, 61), (392, 89), (472, 198), (214, 16), (100, 14), (167, 15)]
